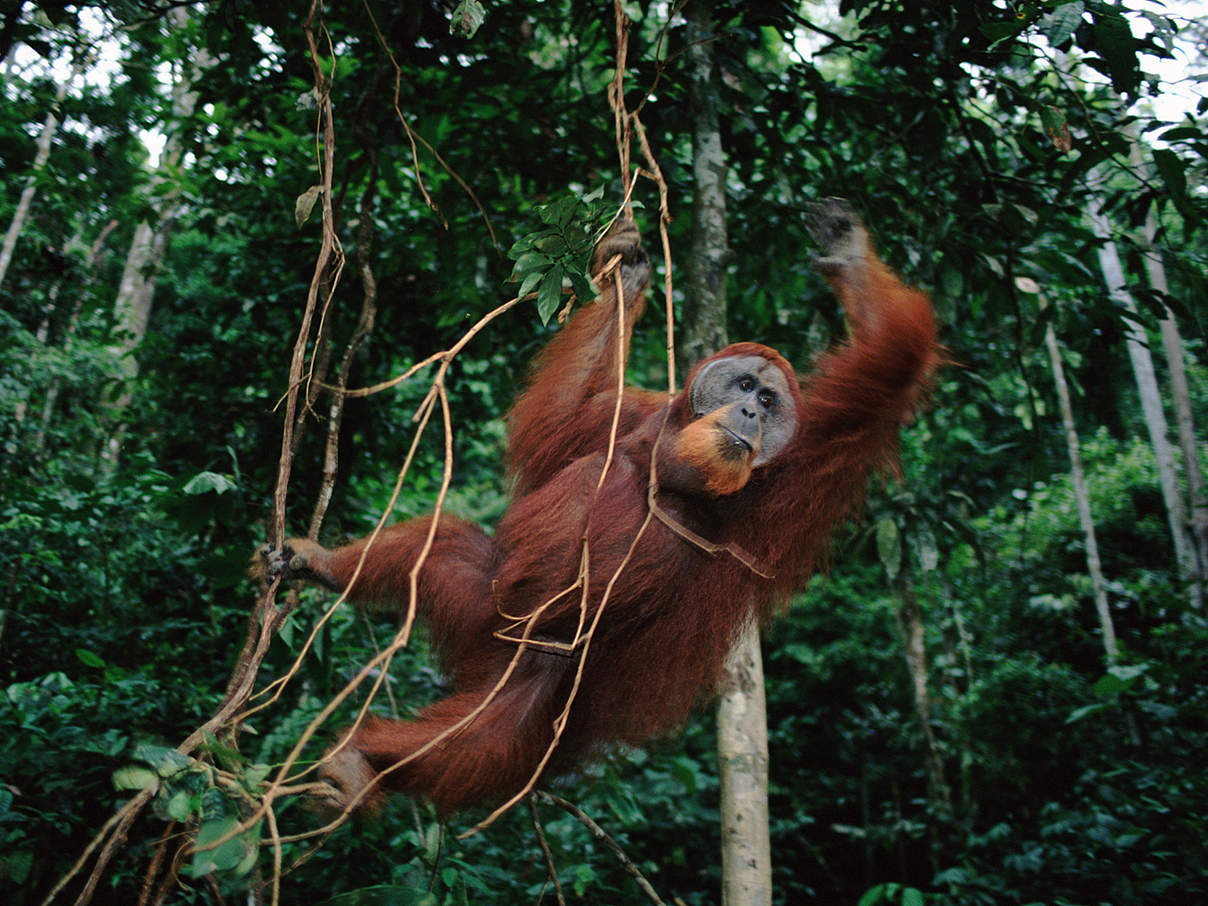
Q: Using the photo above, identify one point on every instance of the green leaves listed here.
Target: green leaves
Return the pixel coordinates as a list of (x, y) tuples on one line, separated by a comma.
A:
[(218, 848), (158, 762), (1170, 167), (1059, 25), (1117, 48), (188, 790), (892, 893), (165, 761), (467, 18), (305, 203), (559, 253), (968, 156), (1056, 127), (1119, 678), (209, 483), (90, 658), (134, 777)]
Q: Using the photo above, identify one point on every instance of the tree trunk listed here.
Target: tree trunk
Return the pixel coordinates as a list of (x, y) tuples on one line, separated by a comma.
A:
[(1172, 343), (742, 712), (1151, 401), (703, 320), (910, 626), (131, 314), (1081, 495), (742, 754), (132, 307), (49, 127)]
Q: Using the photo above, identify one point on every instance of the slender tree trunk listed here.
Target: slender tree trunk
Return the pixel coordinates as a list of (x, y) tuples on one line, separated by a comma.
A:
[(1172, 343), (1081, 495), (742, 737), (963, 804), (742, 752), (962, 632), (910, 626), (45, 138), (1151, 401), (703, 321), (132, 312), (136, 292)]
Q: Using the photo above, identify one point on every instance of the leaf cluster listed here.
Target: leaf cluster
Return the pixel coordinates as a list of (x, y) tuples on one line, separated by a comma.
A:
[(559, 252)]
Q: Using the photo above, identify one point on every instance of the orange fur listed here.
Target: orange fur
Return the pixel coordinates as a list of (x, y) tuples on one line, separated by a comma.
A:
[(674, 609), (699, 446)]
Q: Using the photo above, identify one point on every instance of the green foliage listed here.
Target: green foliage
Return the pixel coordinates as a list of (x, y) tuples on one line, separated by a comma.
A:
[(467, 18), (560, 251), (892, 893), (968, 146)]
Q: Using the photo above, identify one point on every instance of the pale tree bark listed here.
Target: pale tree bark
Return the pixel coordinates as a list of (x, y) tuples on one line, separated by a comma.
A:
[(132, 312), (742, 753), (742, 737), (909, 617), (45, 139), (1172, 344), (1082, 497), (136, 292), (1151, 400)]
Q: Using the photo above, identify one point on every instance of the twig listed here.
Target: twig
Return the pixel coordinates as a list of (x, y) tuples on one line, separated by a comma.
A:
[(655, 173), (616, 92), (326, 249), (118, 823), (412, 137), (626, 124), (602, 836), (161, 847), (364, 328), (275, 835), (550, 867)]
